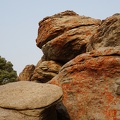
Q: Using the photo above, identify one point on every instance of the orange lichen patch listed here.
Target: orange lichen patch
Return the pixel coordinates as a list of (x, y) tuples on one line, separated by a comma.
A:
[(88, 83), (110, 114), (88, 33), (109, 97), (107, 65), (110, 101)]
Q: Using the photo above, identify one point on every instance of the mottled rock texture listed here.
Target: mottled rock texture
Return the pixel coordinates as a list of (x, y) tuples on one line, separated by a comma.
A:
[(9, 114), (27, 73), (91, 85), (65, 35), (45, 71), (82, 56), (91, 81), (107, 35), (26, 100)]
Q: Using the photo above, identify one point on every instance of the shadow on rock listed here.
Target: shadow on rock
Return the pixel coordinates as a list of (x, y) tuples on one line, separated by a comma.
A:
[(56, 112)]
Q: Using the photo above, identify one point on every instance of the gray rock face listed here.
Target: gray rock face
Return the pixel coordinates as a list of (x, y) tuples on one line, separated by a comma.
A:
[(107, 35), (26, 100)]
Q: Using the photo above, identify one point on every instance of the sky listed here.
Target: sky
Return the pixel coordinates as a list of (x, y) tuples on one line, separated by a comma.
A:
[(19, 24)]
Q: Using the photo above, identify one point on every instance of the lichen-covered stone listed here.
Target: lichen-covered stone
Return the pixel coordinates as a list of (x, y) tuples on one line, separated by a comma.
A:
[(90, 85), (65, 35)]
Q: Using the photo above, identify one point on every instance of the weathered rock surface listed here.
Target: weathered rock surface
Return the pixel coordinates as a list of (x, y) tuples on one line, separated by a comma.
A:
[(27, 73), (7, 114), (107, 35), (91, 85), (27, 100), (45, 71), (90, 78), (65, 35)]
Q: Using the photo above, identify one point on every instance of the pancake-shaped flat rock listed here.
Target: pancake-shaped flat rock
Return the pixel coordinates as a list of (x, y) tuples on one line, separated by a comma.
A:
[(28, 95)]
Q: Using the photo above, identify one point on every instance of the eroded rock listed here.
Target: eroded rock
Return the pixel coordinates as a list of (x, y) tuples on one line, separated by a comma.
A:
[(27, 100), (65, 35), (45, 71), (107, 35), (27, 73), (90, 85)]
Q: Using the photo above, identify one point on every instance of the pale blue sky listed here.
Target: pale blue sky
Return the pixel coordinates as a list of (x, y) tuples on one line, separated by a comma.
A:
[(19, 24)]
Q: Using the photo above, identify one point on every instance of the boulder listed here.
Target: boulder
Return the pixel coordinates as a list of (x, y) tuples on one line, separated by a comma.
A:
[(45, 71), (27, 73), (91, 85), (25, 100), (63, 36), (107, 35)]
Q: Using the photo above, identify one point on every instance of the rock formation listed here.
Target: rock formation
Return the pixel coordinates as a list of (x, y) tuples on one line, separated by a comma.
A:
[(89, 85), (107, 35), (26, 100), (61, 37), (27, 73), (90, 81), (82, 56), (65, 35), (45, 71)]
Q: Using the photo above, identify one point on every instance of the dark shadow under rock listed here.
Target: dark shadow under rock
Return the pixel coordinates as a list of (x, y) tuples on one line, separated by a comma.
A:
[(55, 112), (62, 113), (49, 114)]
